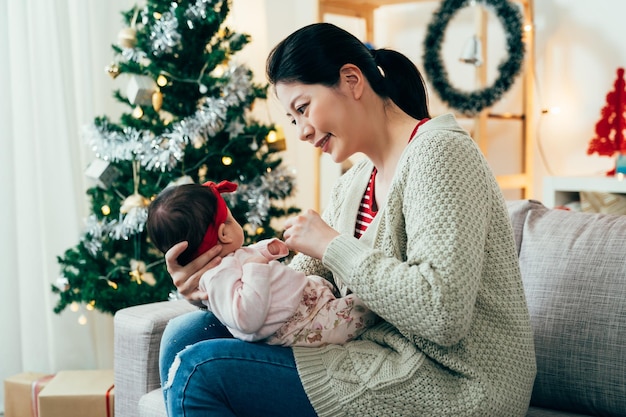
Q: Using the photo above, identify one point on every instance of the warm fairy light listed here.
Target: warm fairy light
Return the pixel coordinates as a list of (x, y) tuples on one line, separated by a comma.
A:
[(91, 305), (528, 27), (227, 160), (106, 210), (218, 71), (259, 230), (272, 136), (74, 306), (138, 112), (82, 320), (157, 15), (161, 80), (268, 170), (112, 284)]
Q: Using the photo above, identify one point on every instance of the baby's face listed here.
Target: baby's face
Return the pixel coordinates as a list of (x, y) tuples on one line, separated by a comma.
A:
[(234, 231)]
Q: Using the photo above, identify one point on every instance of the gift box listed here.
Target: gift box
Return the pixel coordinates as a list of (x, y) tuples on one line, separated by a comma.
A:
[(21, 392), (85, 393)]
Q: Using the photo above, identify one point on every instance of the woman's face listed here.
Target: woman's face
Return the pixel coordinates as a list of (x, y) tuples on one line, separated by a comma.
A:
[(323, 116)]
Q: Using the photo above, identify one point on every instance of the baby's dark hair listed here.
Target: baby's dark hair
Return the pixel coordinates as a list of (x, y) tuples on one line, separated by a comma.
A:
[(181, 213), (315, 53)]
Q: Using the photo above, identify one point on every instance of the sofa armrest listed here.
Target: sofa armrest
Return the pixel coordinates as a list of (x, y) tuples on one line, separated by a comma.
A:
[(137, 337)]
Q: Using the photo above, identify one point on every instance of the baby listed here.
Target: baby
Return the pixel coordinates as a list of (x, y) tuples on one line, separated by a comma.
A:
[(250, 292)]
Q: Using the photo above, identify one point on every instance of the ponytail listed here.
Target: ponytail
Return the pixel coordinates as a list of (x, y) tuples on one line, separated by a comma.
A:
[(401, 82)]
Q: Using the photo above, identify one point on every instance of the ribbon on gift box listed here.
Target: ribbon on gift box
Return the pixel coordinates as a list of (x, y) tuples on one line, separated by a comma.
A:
[(107, 398), (35, 388)]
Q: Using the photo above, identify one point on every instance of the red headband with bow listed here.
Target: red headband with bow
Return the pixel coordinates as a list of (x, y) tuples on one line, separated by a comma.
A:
[(221, 213)]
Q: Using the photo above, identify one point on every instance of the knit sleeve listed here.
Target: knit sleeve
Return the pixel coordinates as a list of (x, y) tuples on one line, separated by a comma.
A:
[(424, 272)]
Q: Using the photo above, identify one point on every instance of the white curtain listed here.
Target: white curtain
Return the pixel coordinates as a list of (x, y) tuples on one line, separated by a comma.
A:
[(52, 78)]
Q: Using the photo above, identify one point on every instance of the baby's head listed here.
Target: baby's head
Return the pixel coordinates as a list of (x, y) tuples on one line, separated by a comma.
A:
[(194, 213)]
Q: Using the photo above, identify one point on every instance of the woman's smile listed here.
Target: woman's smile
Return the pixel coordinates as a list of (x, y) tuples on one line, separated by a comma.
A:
[(322, 142)]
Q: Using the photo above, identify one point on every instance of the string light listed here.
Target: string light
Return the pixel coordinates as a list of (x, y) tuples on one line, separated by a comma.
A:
[(227, 160), (161, 80), (106, 210), (138, 112)]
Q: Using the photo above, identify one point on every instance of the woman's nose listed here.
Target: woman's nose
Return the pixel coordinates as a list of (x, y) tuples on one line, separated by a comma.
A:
[(306, 132)]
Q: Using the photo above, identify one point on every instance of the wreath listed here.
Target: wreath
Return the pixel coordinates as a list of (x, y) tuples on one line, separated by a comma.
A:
[(470, 103)]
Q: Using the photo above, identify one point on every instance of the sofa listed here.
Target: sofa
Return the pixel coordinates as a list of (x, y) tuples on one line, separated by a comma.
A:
[(573, 266)]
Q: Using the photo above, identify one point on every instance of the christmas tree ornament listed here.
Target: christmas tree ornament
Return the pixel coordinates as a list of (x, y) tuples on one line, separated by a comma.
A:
[(157, 100), (610, 130), (138, 273), (102, 172), (140, 89), (135, 200), (113, 70), (127, 37), (276, 140), (63, 284)]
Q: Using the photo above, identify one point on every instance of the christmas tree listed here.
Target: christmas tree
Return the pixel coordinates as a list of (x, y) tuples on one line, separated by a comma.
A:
[(188, 120), (611, 128)]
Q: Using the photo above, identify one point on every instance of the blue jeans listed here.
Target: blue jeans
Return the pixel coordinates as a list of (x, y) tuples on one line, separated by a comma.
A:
[(215, 374)]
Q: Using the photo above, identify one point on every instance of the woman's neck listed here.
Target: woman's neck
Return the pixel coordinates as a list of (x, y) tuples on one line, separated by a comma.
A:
[(387, 148)]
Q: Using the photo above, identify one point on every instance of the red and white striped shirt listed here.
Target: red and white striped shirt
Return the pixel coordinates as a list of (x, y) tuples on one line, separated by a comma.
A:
[(368, 209)]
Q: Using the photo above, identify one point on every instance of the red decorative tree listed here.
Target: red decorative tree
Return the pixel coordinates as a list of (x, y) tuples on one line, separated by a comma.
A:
[(611, 128)]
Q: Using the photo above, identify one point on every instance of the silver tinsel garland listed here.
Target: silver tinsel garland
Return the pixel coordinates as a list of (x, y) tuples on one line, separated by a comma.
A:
[(256, 194), (165, 36), (124, 227), (163, 152)]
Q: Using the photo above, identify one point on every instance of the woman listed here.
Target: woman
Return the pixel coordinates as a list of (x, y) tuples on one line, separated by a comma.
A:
[(418, 230)]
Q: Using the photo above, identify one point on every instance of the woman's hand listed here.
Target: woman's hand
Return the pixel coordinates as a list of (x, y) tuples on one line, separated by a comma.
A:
[(309, 234), (187, 278)]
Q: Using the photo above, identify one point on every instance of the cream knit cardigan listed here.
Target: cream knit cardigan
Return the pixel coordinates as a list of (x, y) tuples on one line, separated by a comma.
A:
[(439, 265)]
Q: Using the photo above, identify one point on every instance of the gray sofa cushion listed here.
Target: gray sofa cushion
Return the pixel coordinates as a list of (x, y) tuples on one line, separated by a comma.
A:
[(574, 271)]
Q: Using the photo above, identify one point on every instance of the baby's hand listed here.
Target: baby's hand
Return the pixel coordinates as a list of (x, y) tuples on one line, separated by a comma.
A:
[(274, 247)]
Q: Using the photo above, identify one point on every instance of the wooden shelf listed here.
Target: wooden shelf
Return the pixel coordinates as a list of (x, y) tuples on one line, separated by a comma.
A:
[(559, 191)]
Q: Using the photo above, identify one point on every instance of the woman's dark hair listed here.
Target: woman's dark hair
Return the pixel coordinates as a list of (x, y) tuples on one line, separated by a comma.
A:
[(315, 53), (181, 213)]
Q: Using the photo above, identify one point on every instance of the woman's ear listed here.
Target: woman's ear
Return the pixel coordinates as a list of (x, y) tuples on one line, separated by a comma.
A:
[(222, 234), (351, 76)]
